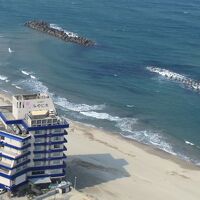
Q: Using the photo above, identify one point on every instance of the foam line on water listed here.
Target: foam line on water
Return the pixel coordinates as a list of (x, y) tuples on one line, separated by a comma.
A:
[(65, 104), (28, 74), (33, 85), (189, 143), (25, 72), (4, 78), (16, 86)]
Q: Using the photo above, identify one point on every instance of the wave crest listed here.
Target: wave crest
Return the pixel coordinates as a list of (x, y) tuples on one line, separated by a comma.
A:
[(64, 103)]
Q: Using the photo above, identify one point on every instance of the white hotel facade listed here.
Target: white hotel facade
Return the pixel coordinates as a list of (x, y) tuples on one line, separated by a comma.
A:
[(32, 138)]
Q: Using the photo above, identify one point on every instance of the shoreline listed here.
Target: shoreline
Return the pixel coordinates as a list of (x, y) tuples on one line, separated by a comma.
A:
[(108, 166), (149, 149)]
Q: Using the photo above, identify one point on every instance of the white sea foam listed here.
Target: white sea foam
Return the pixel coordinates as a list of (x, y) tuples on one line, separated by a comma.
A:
[(25, 72), (70, 34), (33, 77), (165, 73), (3, 78), (130, 106), (10, 50), (124, 124), (28, 74), (151, 138), (98, 115), (34, 85), (16, 86), (64, 103), (189, 143), (6, 91)]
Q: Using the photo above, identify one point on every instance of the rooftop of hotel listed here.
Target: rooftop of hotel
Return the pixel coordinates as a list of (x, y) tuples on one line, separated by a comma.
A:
[(40, 117), (31, 96)]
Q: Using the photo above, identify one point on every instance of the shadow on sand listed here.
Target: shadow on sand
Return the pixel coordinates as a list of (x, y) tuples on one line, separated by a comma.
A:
[(94, 169)]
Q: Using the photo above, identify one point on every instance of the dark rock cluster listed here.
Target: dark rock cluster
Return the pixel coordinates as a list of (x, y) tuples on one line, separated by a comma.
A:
[(46, 28)]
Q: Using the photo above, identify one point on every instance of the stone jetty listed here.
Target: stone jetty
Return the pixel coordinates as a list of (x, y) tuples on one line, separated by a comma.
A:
[(45, 27), (187, 82)]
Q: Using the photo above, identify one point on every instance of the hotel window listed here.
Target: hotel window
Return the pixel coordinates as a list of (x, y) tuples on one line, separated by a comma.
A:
[(2, 137), (18, 169), (24, 151), (57, 138), (37, 132), (25, 158), (18, 161), (38, 172), (56, 146), (39, 140), (56, 154), (39, 163), (58, 130), (24, 166), (38, 148), (55, 171), (38, 155), (56, 162)]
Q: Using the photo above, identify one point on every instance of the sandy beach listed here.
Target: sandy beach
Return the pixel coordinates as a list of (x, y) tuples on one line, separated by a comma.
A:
[(110, 167)]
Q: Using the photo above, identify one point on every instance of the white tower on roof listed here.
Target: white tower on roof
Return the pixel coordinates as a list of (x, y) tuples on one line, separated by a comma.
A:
[(23, 104)]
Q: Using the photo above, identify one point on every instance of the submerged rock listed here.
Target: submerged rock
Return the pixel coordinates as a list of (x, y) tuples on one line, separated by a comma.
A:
[(45, 27)]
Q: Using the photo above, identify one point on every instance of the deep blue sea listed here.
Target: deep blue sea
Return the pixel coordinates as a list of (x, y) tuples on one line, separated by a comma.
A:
[(108, 85)]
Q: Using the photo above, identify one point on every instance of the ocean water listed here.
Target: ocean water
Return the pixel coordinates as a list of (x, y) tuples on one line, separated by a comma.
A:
[(109, 85)]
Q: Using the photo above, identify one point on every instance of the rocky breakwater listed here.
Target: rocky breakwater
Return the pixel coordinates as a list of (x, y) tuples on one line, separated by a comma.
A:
[(58, 32), (187, 82)]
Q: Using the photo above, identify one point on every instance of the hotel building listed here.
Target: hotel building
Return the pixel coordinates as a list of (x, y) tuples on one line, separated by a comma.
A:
[(31, 142)]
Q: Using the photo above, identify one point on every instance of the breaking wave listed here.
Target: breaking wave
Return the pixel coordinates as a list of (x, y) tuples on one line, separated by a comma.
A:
[(189, 143), (4, 78), (16, 86), (33, 85), (28, 74), (126, 125), (70, 34), (33, 77), (25, 72), (64, 103), (151, 138)]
